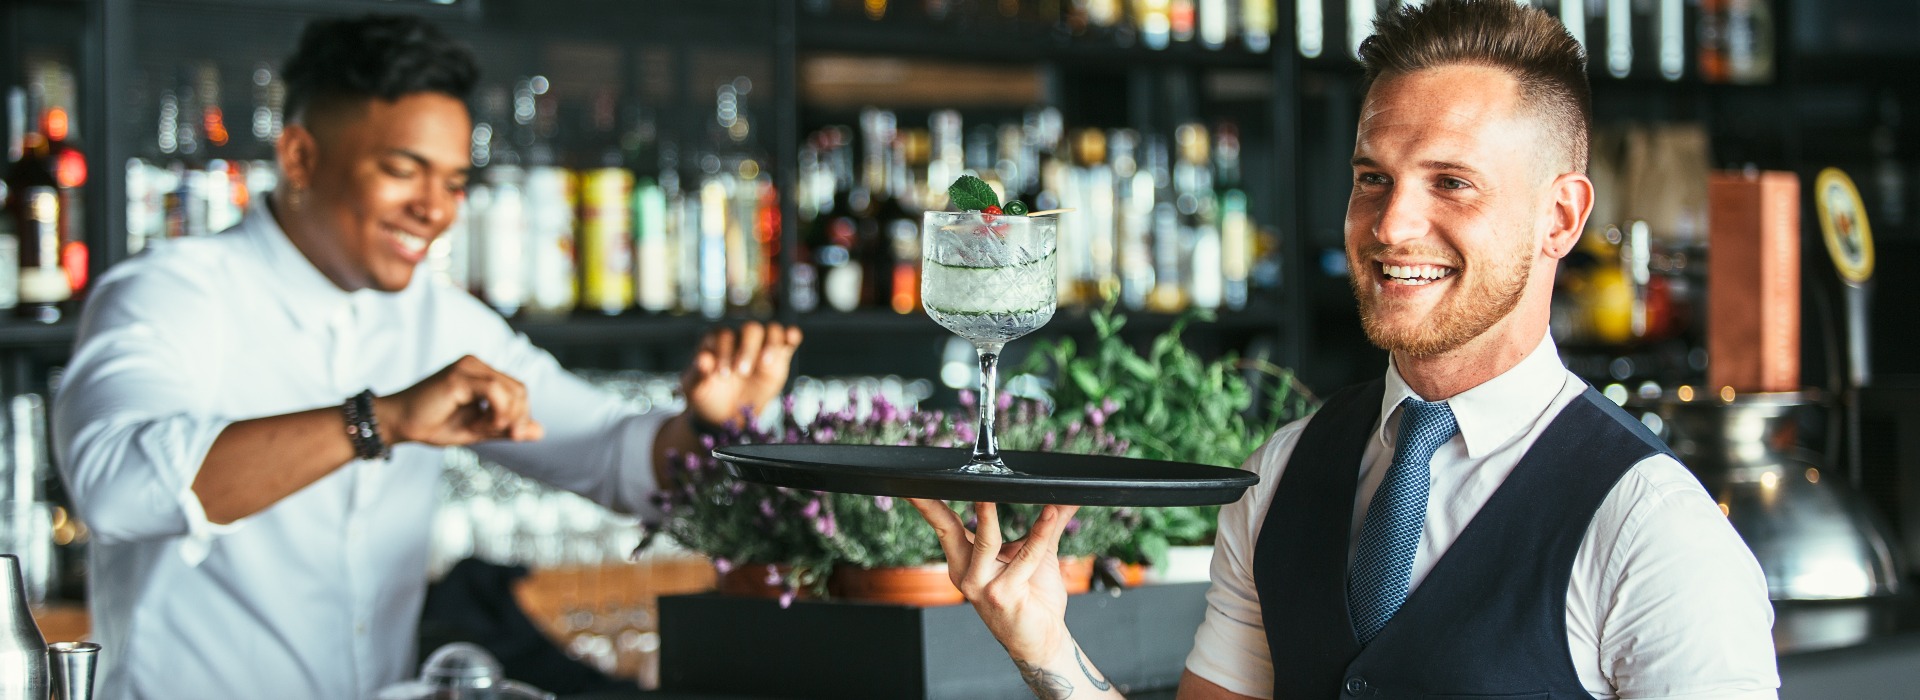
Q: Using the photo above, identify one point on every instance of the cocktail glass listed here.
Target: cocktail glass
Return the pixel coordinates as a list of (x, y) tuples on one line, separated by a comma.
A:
[(990, 278)]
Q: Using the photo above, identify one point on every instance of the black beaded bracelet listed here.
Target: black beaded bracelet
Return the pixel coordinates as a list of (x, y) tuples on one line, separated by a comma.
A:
[(363, 428)]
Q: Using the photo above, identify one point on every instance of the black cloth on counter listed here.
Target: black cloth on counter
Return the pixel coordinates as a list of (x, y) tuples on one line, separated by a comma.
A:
[(474, 603)]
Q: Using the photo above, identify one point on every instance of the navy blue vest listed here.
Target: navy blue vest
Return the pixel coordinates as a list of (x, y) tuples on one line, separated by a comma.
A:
[(1489, 620)]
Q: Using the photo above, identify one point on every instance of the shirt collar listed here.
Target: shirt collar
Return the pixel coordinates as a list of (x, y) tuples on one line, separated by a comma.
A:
[(312, 300), (1491, 414)]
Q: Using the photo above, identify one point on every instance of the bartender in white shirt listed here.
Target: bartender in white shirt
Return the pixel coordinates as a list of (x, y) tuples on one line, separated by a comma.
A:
[(1480, 523), (252, 422)]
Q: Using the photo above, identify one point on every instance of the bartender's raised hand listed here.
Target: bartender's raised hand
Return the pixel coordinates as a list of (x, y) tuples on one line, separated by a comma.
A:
[(1015, 586), (738, 371), (465, 403)]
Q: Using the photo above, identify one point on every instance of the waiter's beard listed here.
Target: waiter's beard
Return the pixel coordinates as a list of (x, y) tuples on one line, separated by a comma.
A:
[(1476, 302)]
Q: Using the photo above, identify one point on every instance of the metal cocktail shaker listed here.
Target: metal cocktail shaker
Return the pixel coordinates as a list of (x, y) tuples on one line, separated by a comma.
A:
[(23, 652)]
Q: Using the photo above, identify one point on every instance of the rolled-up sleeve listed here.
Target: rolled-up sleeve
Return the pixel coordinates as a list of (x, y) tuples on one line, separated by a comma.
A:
[(1230, 648), (129, 432)]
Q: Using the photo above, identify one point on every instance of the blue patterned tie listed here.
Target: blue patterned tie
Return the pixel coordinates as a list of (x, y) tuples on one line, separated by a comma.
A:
[(1383, 564)]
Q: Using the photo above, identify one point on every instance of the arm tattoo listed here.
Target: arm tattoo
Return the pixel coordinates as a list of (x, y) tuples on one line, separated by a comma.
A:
[(1098, 682), (1046, 684)]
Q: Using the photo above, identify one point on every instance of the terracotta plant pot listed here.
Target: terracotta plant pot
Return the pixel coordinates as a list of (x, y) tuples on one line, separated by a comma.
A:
[(755, 581), (921, 586), (1077, 572), (1133, 575)]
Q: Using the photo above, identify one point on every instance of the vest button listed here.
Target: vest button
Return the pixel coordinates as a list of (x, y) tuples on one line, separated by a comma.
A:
[(1357, 686)]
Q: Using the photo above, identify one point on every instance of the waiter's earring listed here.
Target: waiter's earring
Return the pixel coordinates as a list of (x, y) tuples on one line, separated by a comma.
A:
[(295, 195)]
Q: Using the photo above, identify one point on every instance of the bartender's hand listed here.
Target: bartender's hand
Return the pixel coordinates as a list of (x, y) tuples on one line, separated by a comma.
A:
[(465, 403), (1015, 586), (734, 373)]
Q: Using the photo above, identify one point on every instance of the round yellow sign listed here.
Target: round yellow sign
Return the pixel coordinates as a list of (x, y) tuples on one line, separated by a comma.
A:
[(1843, 223)]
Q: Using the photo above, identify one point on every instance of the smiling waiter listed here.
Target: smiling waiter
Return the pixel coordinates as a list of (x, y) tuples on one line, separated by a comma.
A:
[(1479, 523), (252, 422)]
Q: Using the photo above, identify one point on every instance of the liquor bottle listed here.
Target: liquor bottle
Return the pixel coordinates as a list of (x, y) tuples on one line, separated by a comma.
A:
[(834, 235), (1195, 201), (34, 204), (653, 264), (503, 245), (1155, 20), (1089, 238), (1750, 52), (1169, 293), (896, 252), (1236, 228), (1214, 23), (1134, 214), (67, 164), (605, 240), (1619, 38), (1259, 19), (1181, 20), (710, 245), (550, 192)]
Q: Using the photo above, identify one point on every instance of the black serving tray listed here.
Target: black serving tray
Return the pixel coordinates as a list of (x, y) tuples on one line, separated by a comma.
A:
[(932, 472)]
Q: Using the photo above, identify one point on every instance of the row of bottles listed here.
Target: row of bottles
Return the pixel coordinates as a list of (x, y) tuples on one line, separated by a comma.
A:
[(1155, 24), (43, 254), (1732, 40), (1158, 222), (593, 210)]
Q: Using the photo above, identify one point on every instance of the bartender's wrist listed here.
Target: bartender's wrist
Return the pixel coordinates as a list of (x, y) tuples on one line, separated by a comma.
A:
[(389, 411)]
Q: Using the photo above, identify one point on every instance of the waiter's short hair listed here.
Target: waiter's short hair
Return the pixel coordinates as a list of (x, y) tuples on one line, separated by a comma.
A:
[(344, 61), (1526, 42)]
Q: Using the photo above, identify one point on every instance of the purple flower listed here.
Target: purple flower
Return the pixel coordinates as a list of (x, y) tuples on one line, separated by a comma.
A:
[(786, 599), (1109, 406), (773, 576), (884, 503), (766, 508), (812, 509), (1073, 430), (1004, 401), (826, 526), (736, 488), (1096, 417), (722, 565), (967, 397), (1073, 526), (825, 434), (964, 432), (1046, 442)]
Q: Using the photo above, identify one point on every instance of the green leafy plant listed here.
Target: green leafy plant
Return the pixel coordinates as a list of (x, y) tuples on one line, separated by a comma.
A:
[(1167, 404)]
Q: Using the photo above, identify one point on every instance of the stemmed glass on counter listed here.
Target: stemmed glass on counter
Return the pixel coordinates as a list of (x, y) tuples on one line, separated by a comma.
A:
[(990, 278)]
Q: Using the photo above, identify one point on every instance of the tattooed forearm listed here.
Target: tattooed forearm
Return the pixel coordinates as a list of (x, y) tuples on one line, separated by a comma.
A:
[(1098, 682), (1046, 684)]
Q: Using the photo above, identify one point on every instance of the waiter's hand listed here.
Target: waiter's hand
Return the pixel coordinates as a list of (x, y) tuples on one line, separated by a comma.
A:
[(465, 403), (733, 373), (1015, 586)]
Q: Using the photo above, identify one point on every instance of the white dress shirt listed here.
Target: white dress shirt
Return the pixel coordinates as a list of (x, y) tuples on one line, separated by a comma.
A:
[(317, 596), (1665, 600)]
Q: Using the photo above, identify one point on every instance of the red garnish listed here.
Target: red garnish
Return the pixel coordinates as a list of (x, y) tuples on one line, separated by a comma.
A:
[(992, 210)]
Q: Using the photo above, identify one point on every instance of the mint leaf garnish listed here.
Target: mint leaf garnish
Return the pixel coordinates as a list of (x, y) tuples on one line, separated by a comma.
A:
[(970, 193)]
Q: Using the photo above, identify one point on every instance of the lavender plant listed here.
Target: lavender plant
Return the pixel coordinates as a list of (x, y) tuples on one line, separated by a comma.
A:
[(735, 522)]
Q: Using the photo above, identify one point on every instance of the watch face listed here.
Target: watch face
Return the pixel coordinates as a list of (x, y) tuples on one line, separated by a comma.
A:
[(1843, 223)]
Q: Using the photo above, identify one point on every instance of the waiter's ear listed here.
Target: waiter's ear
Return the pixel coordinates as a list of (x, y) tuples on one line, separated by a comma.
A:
[(1567, 215), (298, 152)]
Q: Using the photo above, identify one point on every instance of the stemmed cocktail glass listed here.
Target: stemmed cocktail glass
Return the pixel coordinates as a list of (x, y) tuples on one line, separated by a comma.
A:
[(990, 278)]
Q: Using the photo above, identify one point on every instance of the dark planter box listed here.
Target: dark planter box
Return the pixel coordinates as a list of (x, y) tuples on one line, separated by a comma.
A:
[(816, 649)]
